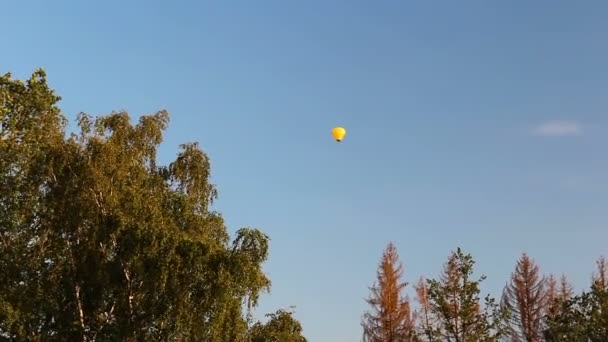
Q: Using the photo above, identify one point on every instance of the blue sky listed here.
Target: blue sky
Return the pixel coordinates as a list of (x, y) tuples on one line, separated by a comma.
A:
[(473, 123)]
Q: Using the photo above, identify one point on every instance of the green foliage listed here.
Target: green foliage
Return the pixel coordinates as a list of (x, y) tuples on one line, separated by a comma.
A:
[(582, 318), (454, 299), (98, 242), (281, 327)]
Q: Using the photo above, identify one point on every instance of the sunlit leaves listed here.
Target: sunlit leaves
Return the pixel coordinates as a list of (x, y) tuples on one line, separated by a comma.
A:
[(97, 241)]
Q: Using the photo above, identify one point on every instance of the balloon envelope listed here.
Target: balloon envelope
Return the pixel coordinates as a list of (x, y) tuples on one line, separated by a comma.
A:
[(338, 133)]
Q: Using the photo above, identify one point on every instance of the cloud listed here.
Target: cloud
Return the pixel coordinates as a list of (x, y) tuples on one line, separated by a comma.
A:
[(559, 128)]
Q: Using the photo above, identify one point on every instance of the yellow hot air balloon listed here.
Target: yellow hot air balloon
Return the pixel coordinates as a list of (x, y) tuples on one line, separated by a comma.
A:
[(338, 133)]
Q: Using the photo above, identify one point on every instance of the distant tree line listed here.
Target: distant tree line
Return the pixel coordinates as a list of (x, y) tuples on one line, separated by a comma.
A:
[(532, 308), (98, 242)]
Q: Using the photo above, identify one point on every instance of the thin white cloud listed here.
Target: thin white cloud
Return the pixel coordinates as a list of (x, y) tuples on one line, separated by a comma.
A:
[(559, 128)]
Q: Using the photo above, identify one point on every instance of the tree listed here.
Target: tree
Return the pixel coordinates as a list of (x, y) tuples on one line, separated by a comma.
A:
[(98, 242), (583, 317), (31, 128), (427, 321), (600, 279), (598, 306), (525, 298), (390, 319), (556, 295), (565, 290), (551, 296), (281, 327), (454, 299)]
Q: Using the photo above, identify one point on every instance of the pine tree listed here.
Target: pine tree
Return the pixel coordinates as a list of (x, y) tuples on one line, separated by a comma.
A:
[(526, 299), (565, 290), (455, 300), (556, 295), (552, 298), (427, 322), (600, 279), (554, 308), (598, 302), (390, 319), (583, 317)]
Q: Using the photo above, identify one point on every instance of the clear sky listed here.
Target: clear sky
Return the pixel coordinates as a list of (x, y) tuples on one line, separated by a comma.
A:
[(480, 124)]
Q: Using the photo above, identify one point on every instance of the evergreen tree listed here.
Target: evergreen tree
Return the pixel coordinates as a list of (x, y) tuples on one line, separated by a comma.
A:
[(525, 298), (390, 319), (554, 302), (426, 319), (600, 279), (455, 301), (565, 291), (583, 317)]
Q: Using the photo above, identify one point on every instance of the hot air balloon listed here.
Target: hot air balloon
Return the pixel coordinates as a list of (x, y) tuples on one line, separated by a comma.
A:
[(338, 133)]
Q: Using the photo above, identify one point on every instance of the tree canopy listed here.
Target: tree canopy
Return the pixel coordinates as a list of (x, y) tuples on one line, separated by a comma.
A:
[(583, 317), (281, 327), (454, 300), (98, 242)]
